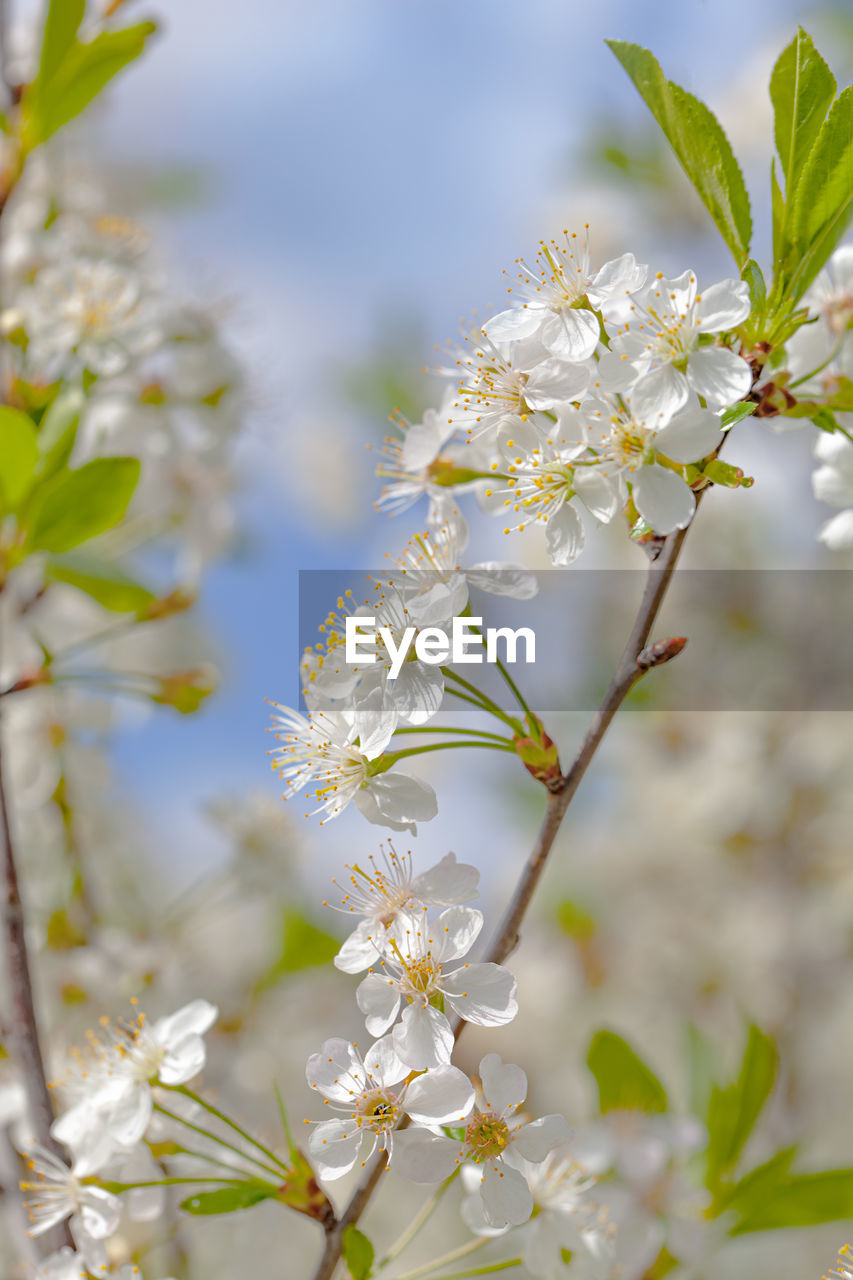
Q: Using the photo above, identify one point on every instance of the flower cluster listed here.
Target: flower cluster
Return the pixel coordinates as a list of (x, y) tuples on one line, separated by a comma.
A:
[(109, 1092), (338, 753), (598, 391), (406, 1097)]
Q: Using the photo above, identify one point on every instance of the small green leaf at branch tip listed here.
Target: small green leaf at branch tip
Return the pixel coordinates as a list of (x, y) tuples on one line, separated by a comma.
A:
[(58, 431), (358, 1253), (185, 690), (698, 141), (74, 72), (19, 453), (624, 1081), (734, 1110), (802, 88), (538, 753), (736, 413), (754, 278), (723, 473), (110, 586), (228, 1199), (74, 506), (823, 201), (802, 1200)]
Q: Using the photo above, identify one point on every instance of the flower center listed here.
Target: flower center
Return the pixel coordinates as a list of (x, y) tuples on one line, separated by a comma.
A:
[(487, 1137), (377, 1109), (422, 975)]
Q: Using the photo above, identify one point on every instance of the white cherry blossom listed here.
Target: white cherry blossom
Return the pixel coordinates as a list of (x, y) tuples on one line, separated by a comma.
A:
[(560, 293), (372, 1092), (56, 1194), (341, 756), (131, 1057), (504, 383), (414, 973), (388, 886), (660, 353), (494, 1134)]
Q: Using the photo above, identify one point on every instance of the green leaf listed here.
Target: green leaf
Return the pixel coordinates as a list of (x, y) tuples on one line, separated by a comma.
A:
[(698, 141), (303, 946), (802, 88), (778, 205), (74, 506), (58, 431), (61, 24), (358, 1253), (736, 413), (228, 1199), (85, 70), (759, 1184), (754, 277), (804, 1200), (103, 581), (18, 456), (733, 1111), (823, 201), (624, 1081), (701, 1069)]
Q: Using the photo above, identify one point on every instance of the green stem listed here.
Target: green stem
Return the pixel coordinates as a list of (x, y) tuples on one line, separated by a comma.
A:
[(487, 703), (212, 1137), (474, 733), (220, 1115), (513, 687), (455, 1254), (418, 1222), (119, 1187), (394, 756), (483, 1271)]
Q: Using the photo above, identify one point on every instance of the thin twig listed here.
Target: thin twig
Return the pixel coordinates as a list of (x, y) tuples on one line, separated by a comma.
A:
[(628, 672), (25, 1045)]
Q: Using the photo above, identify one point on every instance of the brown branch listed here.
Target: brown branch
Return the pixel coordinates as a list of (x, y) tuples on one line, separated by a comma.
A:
[(635, 661), (24, 1043)]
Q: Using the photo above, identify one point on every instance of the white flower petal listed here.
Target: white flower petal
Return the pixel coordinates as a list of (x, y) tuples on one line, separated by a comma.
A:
[(443, 1095), (418, 691), (501, 579), (362, 948), (663, 499), (423, 1037), (455, 931), (722, 306), (571, 334), (832, 487), (447, 883), (718, 375), (837, 533), (564, 535), (182, 1061), (504, 1085), (396, 800), (379, 1000), (482, 993), (657, 395), (517, 322), (553, 382), (535, 1140), (384, 1066), (506, 1196), (690, 436), (421, 1156), (193, 1019), (100, 1212), (597, 493), (335, 1071), (335, 1146)]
